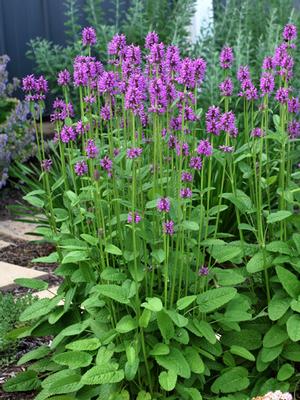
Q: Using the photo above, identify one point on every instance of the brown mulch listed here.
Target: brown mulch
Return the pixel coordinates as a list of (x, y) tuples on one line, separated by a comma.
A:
[(9, 196)]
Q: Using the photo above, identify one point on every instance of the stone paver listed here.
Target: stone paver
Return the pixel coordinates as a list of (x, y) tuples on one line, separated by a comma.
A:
[(10, 272), (18, 230), (4, 244), (49, 293)]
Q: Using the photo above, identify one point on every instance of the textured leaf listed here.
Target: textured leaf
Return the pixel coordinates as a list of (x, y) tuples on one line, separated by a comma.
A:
[(37, 309), (275, 336), (112, 249), (258, 262), (225, 253), (293, 327), (73, 359), (194, 360), (153, 304), (289, 281), (269, 354), (231, 381), (215, 298), (24, 381), (37, 284), (114, 292), (176, 362), (35, 354), (84, 344), (185, 302), (206, 330), (165, 325), (278, 306), (126, 324), (75, 257), (285, 372), (167, 380), (242, 352), (102, 374), (278, 216), (160, 349)]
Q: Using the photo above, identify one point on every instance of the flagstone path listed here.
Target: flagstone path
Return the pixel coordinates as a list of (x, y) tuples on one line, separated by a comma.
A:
[(12, 232)]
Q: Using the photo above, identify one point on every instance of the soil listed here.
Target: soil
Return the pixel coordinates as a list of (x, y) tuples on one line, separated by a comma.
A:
[(9, 197)]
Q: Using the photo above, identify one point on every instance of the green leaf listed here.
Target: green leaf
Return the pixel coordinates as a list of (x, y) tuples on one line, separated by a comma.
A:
[(145, 318), (275, 336), (132, 363), (112, 249), (75, 257), (190, 225), (225, 253), (158, 255), (269, 354), (51, 258), (293, 327), (186, 301), (160, 349), (193, 393), (242, 352), (90, 239), (101, 375), (231, 381), (194, 360), (289, 281), (278, 216), (278, 306), (205, 330), (285, 372), (113, 274), (142, 395), (32, 283), (73, 359), (179, 320), (259, 261), (228, 277), (279, 247), (167, 380), (126, 324), (248, 338), (176, 362), (24, 381), (153, 304), (84, 344), (165, 325), (67, 384), (215, 298), (35, 354), (37, 309), (295, 305), (241, 200), (34, 201), (114, 292)]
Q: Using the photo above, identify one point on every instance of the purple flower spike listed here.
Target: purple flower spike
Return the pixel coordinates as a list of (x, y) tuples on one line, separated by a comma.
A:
[(294, 129), (151, 39), (46, 165), (226, 149), (243, 73), (282, 95), (163, 204), (267, 83), (203, 271), (133, 218), (257, 132), (63, 78), (204, 148), (294, 105), (28, 83), (106, 163), (186, 193), (226, 87), (226, 57), (186, 176), (81, 168), (89, 36), (134, 152), (289, 32), (196, 163), (91, 149), (168, 227)]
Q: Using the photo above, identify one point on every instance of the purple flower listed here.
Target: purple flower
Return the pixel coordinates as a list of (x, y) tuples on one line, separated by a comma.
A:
[(28, 83), (186, 176), (67, 133), (203, 271), (105, 113), (268, 63), (187, 73), (135, 93), (196, 163), (226, 87), (226, 57), (293, 105), (81, 128), (226, 149), (227, 123), (63, 78), (89, 36), (91, 149), (158, 96), (134, 152), (267, 83), (61, 110), (168, 227), (243, 73), (106, 163), (151, 39), (117, 45), (205, 148), (157, 52), (81, 168), (257, 132), (289, 32), (282, 95), (172, 60), (182, 148), (163, 204), (294, 129), (41, 85), (46, 165), (186, 193), (108, 82), (133, 218), (212, 120), (200, 68)]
